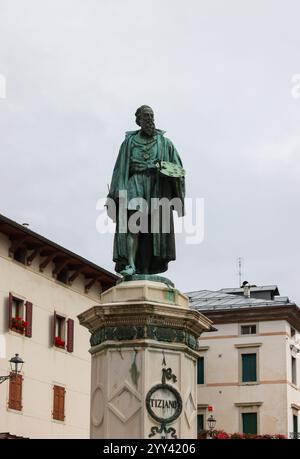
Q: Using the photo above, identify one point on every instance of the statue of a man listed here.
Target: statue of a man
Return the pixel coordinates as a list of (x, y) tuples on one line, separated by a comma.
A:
[(138, 173)]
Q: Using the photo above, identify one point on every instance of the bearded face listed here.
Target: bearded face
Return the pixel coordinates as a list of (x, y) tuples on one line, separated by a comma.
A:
[(146, 121)]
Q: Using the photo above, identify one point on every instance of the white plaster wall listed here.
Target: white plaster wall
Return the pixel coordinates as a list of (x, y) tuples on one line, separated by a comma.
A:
[(223, 390), (45, 365)]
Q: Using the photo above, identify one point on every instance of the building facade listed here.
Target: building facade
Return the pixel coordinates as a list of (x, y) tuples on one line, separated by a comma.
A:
[(43, 288), (248, 370)]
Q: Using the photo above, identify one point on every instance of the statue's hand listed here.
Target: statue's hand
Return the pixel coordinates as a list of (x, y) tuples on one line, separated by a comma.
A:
[(153, 167)]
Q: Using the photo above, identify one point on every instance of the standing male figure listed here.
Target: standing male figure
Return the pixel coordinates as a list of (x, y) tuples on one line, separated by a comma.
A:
[(138, 172)]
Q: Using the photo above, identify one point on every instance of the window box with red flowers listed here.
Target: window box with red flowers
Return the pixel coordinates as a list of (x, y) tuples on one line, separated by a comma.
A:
[(19, 325), (59, 342)]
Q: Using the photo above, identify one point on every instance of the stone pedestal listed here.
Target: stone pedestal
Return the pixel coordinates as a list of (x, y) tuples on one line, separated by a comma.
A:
[(144, 341)]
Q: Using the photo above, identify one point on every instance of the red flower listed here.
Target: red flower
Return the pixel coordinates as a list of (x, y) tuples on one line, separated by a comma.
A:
[(210, 408), (222, 436), (59, 341), (19, 324)]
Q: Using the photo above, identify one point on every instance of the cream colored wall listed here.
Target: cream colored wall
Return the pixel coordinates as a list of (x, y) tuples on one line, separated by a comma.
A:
[(45, 365), (222, 388), (293, 391)]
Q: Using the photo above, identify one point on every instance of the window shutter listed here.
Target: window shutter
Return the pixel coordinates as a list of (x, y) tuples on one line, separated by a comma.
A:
[(70, 337), (55, 402), (200, 423), (15, 392), (294, 370), (58, 403), (200, 370), (295, 424), (10, 301), (62, 404), (54, 329), (249, 367), (249, 423), (28, 319)]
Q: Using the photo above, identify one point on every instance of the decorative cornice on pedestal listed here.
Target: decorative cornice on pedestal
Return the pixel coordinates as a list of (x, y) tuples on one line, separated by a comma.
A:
[(143, 319), (128, 333)]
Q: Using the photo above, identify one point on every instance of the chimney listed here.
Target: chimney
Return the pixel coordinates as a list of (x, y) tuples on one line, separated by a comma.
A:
[(246, 287)]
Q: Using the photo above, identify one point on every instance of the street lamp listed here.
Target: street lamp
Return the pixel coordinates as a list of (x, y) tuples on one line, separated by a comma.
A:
[(16, 365), (211, 421)]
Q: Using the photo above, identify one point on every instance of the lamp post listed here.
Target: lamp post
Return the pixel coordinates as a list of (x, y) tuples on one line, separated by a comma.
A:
[(16, 365), (211, 421)]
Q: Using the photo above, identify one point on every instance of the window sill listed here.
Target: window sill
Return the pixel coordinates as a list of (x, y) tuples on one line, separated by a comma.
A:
[(249, 383), (57, 421), (60, 349), (12, 410), (15, 332)]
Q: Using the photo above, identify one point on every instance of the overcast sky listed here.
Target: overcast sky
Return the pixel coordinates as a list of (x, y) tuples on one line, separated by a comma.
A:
[(218, 76)]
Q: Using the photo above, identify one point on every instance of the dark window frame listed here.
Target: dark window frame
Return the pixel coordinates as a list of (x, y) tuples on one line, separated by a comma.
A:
[(245, 371), (250, 327), (253, 415), (200, 374), (294, 370)]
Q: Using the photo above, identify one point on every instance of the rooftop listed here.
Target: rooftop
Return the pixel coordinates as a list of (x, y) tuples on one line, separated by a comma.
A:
[(204, 300), (33, 245)]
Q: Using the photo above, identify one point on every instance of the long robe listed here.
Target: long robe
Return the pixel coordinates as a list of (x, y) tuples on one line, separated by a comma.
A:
[(159, 246)]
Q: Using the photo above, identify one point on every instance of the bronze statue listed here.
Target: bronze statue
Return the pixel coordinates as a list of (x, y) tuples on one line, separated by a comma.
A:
[(148, 168)]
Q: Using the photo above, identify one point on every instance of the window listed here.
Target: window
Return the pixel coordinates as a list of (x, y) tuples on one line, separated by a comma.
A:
[(20, 255), (249, 371), (59, 332), (58, 403), (63, 276), (200, 370), (200, 423), (17, 308), (15, 392), (248, 329), (294, 371), (295, 425), (249, 421), (293, 332), (20, 315)]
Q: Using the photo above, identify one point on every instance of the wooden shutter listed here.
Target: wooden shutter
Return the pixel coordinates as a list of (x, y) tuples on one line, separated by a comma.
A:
[(200, 370), (28, 307), (58, 403), (10, 302), (294, 370), (295, 424), (249, 423), (70, 337), (53, 328), (15, 392), (249, 367), (200, 423)]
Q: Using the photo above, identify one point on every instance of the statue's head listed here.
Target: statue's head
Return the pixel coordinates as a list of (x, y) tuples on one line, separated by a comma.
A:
[(144, 117)]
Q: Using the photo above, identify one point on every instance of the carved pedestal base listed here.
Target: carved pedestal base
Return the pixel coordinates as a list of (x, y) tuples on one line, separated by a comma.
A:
[(144, 341)]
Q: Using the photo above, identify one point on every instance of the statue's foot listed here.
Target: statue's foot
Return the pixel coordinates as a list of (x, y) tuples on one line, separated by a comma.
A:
[(128, 271)]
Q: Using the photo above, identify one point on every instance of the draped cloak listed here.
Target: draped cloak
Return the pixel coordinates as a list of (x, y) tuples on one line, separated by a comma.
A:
[(158, 247)]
